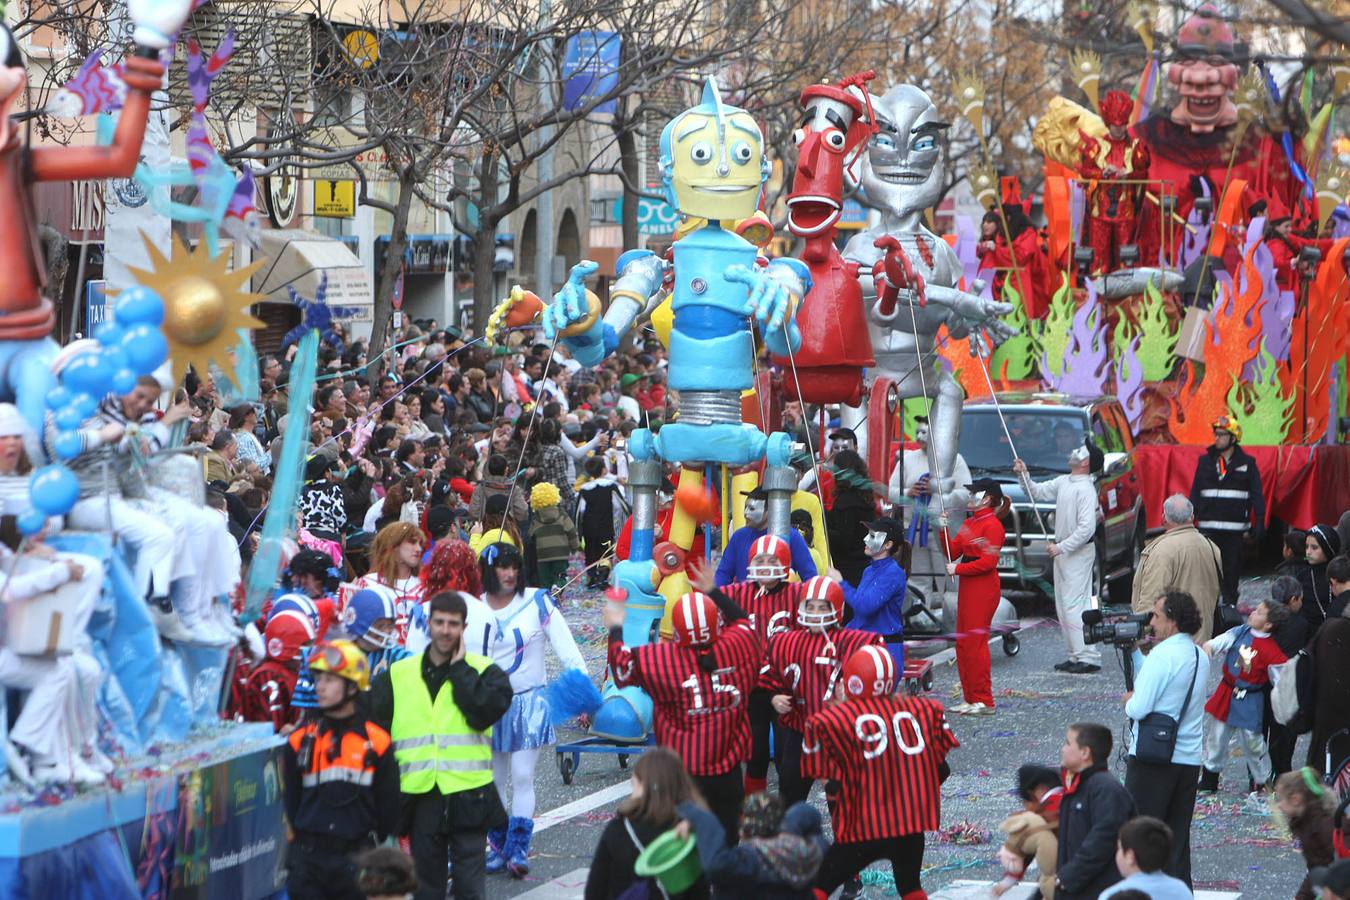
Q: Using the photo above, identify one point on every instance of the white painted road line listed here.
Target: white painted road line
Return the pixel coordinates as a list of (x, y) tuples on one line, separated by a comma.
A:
[(581, 806), (571, 886)]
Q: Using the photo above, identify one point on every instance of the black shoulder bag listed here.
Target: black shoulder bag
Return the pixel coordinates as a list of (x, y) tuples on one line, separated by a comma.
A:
[(1158, 731)]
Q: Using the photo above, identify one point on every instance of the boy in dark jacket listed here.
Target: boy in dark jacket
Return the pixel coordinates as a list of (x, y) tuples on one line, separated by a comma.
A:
[(778, 856), (552, 535), (1094, 806)]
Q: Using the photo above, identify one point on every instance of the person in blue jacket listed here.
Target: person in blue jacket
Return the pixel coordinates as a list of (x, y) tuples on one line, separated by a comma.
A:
[(737, 553), (878, 602)]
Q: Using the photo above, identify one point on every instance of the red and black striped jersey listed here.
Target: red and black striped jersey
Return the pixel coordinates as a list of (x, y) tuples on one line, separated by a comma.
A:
[(771, 612), (806, 665), (703, 716), (885, 753)]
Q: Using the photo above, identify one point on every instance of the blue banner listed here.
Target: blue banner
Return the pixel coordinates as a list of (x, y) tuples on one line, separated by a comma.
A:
[(591, 69), (231, 830)]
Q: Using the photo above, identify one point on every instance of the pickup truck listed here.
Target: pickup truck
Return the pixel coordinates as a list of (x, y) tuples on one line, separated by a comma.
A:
[(1044, 428)]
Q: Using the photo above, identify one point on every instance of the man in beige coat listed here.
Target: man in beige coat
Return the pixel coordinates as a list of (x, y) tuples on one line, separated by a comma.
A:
[(1181, 558)]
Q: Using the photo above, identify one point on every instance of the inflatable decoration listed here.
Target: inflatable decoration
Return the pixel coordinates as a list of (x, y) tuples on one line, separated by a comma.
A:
[(909, 275), (27, 315), (835, 343), (713, 168), (204, 304)]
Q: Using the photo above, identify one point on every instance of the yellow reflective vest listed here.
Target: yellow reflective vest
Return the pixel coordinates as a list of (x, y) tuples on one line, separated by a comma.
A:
[(433, 743)]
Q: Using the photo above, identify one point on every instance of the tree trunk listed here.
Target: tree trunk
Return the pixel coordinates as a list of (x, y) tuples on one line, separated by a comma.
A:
[(632, 167), (390, 266), (484, 278)]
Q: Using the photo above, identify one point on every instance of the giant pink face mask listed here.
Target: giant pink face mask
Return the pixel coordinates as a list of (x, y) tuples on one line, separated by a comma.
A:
[(1205, 86)]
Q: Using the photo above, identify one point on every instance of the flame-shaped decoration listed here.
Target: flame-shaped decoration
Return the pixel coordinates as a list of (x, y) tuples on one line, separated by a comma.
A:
[(970, 98), (984, 185), (1318, 338), (1087, 74), (1130, 384), (1231, 342), (1087, 365), (964, 365), (1141, 15), (1055, 332), (1332, 185), (1016, 357), (1271, 406), (1154, 338)]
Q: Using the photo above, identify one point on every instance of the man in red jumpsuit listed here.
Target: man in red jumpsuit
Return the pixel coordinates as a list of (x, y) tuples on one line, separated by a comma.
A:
[(973, 552), (1112, 208)]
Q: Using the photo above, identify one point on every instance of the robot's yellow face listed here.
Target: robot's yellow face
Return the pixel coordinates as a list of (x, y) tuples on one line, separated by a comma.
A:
[(717, 163)]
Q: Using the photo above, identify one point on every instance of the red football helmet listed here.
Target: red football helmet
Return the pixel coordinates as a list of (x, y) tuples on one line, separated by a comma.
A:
[(869, 672), (695, 620), (769, 545), (821, 587), (287, 633)]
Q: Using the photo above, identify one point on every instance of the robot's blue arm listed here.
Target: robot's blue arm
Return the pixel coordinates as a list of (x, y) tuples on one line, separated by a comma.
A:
[(641, 274)]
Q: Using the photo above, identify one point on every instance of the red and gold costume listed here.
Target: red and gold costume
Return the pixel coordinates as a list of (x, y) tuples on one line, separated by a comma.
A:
[(1112, 206)]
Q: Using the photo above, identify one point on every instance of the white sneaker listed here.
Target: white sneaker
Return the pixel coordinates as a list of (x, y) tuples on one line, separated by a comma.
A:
[(99, 760), (169, 625), (18, 766), (85, 774), (960, 709)]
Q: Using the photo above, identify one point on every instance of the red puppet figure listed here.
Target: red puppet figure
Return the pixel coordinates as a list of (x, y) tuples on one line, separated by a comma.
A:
[(1113, 208), (835, 342), (26, 314)]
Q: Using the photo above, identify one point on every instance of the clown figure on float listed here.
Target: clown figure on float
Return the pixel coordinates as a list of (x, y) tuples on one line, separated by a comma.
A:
[(713, 168)]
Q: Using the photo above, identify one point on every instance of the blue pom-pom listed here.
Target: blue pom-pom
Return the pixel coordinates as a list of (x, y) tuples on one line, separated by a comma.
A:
[(569, 695)]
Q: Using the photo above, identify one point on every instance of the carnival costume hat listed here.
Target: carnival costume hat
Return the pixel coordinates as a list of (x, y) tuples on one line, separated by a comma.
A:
[(1116, 108), (1205, 34)]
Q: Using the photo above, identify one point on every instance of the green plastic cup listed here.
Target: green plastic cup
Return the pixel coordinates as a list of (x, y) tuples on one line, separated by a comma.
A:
[(671, 861)]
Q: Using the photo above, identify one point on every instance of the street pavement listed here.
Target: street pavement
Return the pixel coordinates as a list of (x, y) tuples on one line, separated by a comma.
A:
[(1239, 846)]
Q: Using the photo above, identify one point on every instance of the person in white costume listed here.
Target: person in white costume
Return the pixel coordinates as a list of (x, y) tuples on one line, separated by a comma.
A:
[(1076, 512), (59, 722), (511, 625)]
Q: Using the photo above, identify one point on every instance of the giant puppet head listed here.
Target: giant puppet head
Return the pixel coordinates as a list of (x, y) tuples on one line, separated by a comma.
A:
[(903, 174), (835, 126), (1204, 74), (712, 160)]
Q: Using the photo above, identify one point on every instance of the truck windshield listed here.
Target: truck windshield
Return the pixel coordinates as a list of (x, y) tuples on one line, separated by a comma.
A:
[(1043, 439)]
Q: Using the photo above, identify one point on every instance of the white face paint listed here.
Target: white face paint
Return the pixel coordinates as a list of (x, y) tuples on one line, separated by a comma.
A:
[(874, 542), (755, 511), (921, 434)]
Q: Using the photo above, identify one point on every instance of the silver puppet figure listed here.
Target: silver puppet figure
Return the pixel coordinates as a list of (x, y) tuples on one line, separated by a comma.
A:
[(901, 176)]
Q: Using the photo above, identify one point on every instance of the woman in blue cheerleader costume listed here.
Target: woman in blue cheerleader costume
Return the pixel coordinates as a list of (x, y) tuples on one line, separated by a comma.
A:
[(512, 625)]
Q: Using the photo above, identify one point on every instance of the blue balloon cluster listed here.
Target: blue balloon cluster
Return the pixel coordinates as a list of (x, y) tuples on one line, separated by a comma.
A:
[(130, 345)]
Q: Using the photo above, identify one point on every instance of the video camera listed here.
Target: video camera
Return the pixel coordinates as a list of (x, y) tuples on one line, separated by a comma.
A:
[(1122, 631)]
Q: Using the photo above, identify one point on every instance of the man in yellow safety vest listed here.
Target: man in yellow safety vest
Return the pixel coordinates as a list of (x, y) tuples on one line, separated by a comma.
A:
[(439, 708)]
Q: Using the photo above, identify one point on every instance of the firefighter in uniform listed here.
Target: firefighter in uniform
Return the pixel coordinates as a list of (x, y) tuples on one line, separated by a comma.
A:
[(440, 706), (341, 781), (1226, 494)]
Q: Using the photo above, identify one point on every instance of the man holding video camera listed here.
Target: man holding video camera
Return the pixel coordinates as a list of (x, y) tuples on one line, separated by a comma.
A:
[(1167, 708)]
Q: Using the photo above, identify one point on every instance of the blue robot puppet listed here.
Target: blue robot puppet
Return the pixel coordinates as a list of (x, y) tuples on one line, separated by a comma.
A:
[(713, 167)]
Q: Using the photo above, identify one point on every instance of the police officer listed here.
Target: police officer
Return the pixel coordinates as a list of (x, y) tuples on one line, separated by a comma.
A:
[(1226, 493), (341, 780), (439, 707)]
